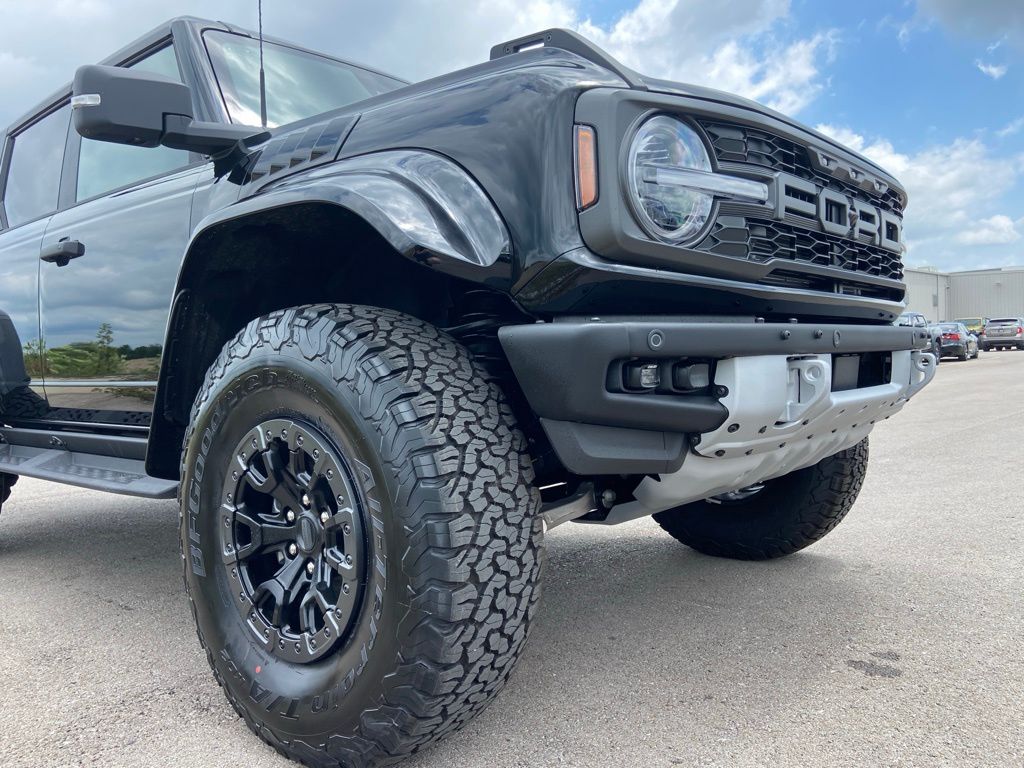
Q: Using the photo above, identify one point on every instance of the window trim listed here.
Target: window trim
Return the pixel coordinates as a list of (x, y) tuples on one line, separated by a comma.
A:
[(219, 94), (53, 105)]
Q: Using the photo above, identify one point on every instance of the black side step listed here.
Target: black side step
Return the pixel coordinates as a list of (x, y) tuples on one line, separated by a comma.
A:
[(124, 473)]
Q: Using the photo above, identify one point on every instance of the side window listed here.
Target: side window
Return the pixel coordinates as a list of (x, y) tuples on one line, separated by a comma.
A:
[(33, 181), (103, 166)]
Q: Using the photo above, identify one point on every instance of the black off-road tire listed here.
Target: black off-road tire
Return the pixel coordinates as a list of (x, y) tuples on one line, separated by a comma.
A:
[(453, 544), (788, 514), (6, 484)]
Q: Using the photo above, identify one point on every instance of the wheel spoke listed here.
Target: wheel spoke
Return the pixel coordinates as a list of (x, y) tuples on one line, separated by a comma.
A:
[(277, 483), (263, 535), (300, 564)]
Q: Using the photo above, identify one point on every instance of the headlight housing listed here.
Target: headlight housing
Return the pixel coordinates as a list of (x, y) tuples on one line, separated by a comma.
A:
[(672, 213)]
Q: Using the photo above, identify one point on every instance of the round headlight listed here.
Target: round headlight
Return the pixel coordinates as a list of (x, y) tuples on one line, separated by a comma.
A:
[(668, 212)]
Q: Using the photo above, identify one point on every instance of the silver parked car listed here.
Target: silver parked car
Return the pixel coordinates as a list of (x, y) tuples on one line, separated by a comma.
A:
[(1004, 333)]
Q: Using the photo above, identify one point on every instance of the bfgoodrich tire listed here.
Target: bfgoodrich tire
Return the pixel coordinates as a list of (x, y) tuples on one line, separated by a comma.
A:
[(788, 514), (6, 485), (360, 533)]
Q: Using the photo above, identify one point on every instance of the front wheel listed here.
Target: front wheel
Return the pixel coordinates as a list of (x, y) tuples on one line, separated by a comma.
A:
[(784, 516), (360, 533)]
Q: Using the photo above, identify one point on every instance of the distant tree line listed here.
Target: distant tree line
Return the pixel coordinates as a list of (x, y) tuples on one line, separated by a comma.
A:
[(84, 358)]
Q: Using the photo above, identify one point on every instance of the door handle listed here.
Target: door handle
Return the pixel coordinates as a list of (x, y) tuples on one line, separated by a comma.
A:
[(63, 251)]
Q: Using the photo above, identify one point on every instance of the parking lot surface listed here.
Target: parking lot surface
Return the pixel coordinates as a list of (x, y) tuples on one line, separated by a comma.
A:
[(894, 641)]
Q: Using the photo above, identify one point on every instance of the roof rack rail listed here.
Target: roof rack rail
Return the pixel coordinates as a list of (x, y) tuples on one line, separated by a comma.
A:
[(570, 41)]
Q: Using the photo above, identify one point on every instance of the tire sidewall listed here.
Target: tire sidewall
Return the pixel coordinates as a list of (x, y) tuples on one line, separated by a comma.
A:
[(312, 701)]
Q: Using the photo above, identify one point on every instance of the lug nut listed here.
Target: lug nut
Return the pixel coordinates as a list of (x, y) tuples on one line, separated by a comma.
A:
[(289, 516), (293, 550), (305, 499), (310, 567), (324, 517)]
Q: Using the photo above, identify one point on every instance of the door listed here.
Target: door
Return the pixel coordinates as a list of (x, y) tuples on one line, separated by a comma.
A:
[(110, 262), (30, 171)]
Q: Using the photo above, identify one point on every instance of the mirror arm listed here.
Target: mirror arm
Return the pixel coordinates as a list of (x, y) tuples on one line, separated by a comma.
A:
[(181, 132)]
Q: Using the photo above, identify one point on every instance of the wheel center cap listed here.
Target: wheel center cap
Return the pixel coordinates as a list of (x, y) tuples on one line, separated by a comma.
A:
[(308, 536)]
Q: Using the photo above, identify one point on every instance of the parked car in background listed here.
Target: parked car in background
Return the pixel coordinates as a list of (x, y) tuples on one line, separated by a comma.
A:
[(1004, 333), (918, 320), (957, 341), (975, 325)]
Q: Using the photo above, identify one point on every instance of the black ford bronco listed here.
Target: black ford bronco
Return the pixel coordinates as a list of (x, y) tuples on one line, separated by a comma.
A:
[(379, 342)]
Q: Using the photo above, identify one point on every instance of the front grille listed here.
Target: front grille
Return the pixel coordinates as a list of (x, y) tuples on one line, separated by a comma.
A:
[(733, 143), (739, 234)]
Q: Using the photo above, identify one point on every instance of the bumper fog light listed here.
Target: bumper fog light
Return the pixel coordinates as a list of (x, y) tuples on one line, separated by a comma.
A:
[(640, 375), (691, 377)]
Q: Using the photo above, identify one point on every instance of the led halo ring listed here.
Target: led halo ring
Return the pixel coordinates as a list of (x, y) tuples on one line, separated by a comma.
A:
[(670, 213)]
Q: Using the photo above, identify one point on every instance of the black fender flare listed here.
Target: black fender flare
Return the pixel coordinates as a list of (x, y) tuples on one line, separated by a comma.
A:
[(428, 208), (425, 205)]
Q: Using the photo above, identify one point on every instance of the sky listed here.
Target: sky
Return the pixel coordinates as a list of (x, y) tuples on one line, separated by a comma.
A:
[(932, 90)]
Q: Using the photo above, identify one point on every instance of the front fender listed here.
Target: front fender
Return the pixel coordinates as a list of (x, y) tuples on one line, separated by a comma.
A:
[(427, 207)]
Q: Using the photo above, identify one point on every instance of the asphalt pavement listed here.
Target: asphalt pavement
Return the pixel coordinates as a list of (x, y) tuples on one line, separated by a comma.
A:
[(898, 640)]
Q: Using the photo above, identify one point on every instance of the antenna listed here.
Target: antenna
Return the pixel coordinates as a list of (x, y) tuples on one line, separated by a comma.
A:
[(263, 79)]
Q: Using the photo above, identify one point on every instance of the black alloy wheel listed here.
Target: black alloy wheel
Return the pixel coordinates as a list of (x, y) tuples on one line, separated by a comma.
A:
[(294, 539)]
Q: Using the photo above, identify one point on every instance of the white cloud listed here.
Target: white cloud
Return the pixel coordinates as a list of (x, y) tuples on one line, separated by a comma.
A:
[(995, 71), (952, 189), (995, 230), (729, 46), (741, 45), (1011, 128), (985, 20)]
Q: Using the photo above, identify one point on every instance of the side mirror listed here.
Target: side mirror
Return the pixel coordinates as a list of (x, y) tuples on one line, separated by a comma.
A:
[(124, 106), (144, 109)]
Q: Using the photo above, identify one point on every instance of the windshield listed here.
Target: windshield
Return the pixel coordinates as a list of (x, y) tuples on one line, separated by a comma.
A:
[(969, 320), (299, 84), (1002, 321), (949, 327)]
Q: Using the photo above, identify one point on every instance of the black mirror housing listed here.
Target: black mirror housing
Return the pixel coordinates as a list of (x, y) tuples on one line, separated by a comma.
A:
[(144, 109), (126, 107)]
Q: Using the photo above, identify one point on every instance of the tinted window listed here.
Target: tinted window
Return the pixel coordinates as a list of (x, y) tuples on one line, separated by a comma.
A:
[(103, 166), (299, 84), (33, 182)]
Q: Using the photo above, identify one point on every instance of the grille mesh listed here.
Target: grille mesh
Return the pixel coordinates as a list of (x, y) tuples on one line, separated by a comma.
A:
[(743, 144), (761, 239)]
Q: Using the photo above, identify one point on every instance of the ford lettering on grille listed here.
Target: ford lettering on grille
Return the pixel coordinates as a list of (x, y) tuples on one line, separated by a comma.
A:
[(837, 213)]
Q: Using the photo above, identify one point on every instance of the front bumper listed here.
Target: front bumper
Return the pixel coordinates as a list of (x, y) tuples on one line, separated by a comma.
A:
[(777, 398)]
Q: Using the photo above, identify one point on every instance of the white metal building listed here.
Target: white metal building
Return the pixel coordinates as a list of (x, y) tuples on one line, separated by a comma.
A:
[(976, 293)]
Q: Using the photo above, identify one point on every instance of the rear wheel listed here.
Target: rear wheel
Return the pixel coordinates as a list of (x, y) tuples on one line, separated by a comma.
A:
[(360, 533), (962, 356), (6, 484), (782, 517)]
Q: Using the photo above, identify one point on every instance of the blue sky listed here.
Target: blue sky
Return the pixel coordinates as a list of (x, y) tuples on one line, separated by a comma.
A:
[(933, 90)]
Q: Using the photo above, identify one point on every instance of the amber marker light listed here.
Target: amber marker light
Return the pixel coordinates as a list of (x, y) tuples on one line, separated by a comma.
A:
[(586, 167)]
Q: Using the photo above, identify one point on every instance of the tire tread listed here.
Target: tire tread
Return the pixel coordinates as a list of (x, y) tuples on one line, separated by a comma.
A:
[(474, 560)]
